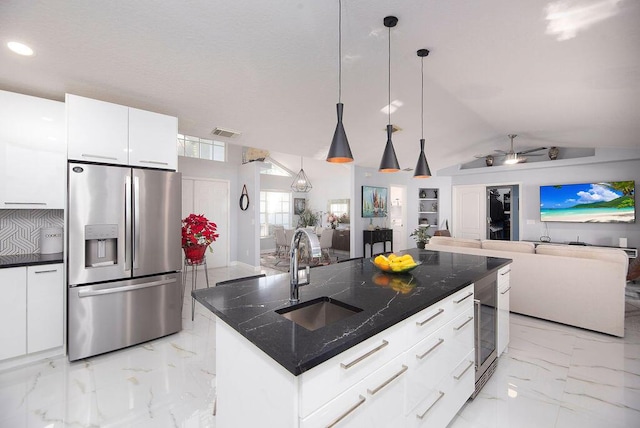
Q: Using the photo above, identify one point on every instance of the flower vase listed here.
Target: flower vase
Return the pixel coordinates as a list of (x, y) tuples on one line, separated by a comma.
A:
[(195, 253)]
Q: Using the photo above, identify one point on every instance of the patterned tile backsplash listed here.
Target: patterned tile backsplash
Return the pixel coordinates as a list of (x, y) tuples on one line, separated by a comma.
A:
[(20, 229)]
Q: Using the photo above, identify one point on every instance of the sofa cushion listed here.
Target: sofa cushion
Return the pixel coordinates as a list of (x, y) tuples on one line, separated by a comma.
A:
[(512, 246), (585, 252), (455, 242)]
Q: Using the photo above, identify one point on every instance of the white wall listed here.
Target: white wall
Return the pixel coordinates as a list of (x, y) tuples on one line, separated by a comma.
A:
[(371, 177), (532, 179)]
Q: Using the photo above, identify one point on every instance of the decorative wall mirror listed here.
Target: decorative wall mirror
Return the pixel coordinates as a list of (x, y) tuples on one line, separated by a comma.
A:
[(340, 208)]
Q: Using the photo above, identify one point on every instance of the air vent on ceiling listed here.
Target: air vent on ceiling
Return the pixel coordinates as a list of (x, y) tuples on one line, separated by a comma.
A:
[(225, 132)]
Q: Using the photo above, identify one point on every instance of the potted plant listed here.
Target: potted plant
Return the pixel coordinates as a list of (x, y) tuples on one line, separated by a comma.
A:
[(197, 233), (307, 218), (333, 220), (421, 236)]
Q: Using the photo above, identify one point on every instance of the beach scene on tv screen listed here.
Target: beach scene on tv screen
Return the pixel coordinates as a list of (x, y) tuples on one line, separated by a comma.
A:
[(606, 202)]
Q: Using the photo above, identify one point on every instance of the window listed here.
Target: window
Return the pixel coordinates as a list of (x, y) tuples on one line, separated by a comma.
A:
[(339, 207), (275, 210), (195, 147)]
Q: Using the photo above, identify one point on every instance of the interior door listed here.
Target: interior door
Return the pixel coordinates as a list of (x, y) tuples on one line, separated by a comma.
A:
[(211, 199), (469, 212)]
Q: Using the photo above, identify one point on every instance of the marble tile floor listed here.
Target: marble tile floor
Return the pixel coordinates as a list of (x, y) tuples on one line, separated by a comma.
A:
[(552, 376)]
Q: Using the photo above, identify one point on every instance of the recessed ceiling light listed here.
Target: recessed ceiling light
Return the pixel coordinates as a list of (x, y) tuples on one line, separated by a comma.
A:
[(20, 48)]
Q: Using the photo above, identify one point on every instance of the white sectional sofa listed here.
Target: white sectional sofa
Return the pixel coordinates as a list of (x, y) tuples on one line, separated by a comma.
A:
[(580, 286)]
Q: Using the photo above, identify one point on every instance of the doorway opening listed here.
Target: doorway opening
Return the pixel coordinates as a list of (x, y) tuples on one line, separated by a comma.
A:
[(503, 212)]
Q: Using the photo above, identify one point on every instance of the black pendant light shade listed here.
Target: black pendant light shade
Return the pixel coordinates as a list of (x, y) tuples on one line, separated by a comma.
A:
[(422, 167), (389, 162), (339, 152)]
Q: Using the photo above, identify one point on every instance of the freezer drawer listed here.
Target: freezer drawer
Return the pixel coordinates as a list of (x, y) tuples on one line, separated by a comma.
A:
[(109, 316)]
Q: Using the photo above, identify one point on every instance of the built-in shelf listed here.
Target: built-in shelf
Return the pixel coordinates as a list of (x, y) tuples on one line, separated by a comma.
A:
[(428, 207)]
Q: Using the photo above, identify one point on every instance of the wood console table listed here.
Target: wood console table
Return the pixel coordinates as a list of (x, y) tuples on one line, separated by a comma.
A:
[(372, 237)]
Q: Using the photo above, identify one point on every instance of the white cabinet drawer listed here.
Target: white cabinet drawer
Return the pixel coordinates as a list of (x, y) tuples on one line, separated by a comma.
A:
[(434, 357), (447, 398), (322, 383), (435, 316), (373, 402), (503, 275)]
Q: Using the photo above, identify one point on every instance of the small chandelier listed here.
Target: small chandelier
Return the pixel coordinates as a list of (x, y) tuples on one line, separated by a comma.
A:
[(301, 183)]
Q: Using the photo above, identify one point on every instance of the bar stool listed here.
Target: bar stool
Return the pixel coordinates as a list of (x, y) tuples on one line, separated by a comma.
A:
[(194, 278)]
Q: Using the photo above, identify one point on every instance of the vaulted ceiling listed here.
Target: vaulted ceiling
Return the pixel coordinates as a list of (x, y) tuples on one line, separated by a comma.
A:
[(558, 73)]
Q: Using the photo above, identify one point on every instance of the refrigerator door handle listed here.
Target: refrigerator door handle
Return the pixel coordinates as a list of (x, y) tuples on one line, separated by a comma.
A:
[(90, 293), (136, 220), (127, 224)]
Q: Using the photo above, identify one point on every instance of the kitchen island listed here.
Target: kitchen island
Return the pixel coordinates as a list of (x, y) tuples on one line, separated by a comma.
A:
[(360, 370)]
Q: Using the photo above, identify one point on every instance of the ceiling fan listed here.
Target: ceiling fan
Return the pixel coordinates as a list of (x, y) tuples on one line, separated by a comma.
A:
[(512, 157)]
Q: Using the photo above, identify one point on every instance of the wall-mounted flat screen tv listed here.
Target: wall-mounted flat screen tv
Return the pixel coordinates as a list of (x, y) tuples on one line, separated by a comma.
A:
[(605, 202)]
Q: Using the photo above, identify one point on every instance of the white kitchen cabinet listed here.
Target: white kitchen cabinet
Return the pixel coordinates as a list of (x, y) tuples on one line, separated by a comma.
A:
[(97, 131), (33, 152), (104, 132), (376, 400), (13, 312), (503, 309), (152, 139), (377, 383), (45, 305)]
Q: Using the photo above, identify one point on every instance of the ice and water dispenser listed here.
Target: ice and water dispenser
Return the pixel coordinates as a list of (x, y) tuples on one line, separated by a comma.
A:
[(100, 245)]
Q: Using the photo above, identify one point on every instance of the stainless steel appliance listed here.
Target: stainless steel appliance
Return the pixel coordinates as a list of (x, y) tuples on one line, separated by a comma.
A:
[(486, 325), (124, 255)]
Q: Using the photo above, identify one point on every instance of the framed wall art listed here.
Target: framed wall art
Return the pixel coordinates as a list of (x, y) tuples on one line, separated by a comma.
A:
[(374, 201)]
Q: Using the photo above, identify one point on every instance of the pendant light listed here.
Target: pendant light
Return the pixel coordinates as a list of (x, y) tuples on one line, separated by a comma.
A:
[(422, 167), (389, 162), (301, 183), (339, 152)]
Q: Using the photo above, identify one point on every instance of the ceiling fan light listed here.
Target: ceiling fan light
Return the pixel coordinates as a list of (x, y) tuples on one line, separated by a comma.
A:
[(422, 167), (389, 162), (511, 159), (339, 152)]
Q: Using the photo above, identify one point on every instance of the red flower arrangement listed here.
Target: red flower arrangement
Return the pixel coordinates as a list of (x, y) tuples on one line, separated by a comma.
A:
[(198, 230)]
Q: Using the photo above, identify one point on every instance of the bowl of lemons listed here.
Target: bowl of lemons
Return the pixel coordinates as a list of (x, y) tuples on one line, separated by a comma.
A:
[(393, 263)]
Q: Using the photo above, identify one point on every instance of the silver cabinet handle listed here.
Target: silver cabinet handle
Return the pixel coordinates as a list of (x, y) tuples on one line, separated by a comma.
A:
[(476, 339), (90, 293), (432, 404), (89, 155), (464, 298), (348, 412), (25, 203), (504, 273), (440, 342), (388, 381), (362, 357), (153, 162), (421, 323), (46, 271), (463, 371), (506, 291), (469, 319)]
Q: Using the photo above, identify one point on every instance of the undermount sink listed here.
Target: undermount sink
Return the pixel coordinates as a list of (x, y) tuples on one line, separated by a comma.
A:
[(318, 313)]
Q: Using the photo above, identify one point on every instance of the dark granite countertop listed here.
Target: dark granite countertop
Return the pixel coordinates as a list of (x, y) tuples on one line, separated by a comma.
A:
[(248, 306), (17, 260)]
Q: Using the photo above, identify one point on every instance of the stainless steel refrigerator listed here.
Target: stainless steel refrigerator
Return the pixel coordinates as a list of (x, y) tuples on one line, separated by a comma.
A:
[(124, 255)]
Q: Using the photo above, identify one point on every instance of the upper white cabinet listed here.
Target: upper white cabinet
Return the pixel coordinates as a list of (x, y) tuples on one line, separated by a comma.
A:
[(152, 139), (33, 152), (110, 133), (97, 131)]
